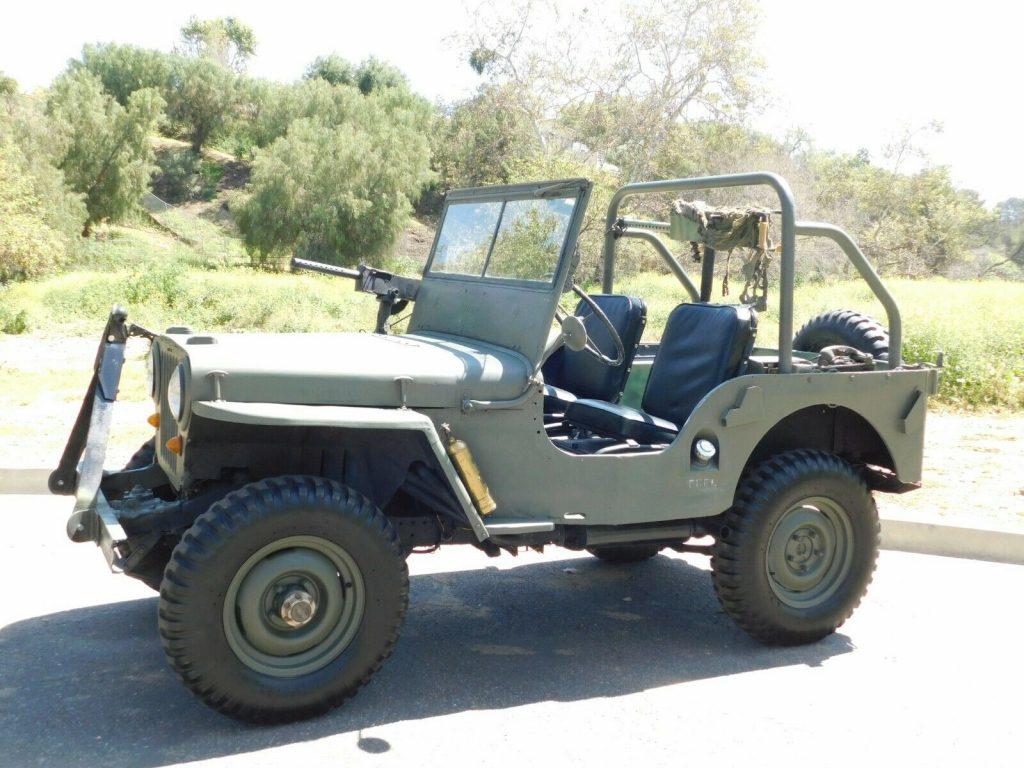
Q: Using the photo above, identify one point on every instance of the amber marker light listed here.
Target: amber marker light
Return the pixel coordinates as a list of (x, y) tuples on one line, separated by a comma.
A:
[(154, 419), (175, 444)]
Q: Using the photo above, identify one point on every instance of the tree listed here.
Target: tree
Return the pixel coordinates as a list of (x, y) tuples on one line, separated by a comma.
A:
[(28, 247), (39, 217), (371, 75), (481, 140), (225, 40), (203, 100), (332, 68), (8, 86), (1009, 232), (338, 193), (635, 74), (125, 69), (107, 155)]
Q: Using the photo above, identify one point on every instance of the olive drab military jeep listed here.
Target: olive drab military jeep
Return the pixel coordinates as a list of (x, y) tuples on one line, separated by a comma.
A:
[(290, 475)]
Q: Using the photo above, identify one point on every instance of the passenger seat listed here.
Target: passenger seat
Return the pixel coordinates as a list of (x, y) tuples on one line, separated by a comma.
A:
[(702, 346)]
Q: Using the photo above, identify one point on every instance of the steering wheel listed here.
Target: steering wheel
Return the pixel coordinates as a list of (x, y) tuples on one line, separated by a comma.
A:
[(591, 347)]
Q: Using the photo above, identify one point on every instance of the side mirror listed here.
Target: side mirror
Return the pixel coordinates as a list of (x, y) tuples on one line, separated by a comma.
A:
[(574, 333)]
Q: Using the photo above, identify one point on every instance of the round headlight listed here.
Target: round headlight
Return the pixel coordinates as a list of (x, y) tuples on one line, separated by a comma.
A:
[(175, 387)]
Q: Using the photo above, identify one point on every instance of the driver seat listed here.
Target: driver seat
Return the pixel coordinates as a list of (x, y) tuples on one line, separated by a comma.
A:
[(570, 375)]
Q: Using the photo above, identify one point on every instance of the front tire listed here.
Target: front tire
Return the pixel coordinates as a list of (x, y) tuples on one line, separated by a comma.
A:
[(283, 599), (798, 549)]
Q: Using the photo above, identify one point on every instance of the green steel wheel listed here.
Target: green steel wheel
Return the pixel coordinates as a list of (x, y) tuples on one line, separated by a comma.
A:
[(283, 599), (798, 549), (294, 606), (809, 552)]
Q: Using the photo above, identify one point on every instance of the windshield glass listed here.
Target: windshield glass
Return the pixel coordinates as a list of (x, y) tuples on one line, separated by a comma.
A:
[(514, 240)]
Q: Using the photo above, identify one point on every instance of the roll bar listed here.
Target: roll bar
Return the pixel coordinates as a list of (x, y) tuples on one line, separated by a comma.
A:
[(616, 227)]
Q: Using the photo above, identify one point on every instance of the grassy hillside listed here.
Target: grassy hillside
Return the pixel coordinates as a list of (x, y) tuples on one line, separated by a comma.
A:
[(185, 264), (972, 322)]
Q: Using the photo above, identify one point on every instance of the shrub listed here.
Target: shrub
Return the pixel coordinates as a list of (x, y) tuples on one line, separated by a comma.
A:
[(125, 69), (338, 188), (203, 99), (35, 213), (177, 178), (107, 154)]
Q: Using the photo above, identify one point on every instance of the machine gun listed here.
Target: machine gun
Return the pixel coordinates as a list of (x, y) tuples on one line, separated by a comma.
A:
[(393, 292)]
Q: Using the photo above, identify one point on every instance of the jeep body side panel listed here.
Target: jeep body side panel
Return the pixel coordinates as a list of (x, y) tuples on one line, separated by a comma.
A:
[(347, 417), (530, 478)]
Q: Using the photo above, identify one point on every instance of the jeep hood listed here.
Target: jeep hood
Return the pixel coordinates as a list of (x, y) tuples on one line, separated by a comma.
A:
[(351, 369)]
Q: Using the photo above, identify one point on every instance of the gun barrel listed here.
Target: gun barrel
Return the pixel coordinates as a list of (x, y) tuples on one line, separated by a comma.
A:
[(326, 269)]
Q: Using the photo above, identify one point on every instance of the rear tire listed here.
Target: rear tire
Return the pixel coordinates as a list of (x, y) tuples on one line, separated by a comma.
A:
[(283, 599), (622, 554), (846, 327), (798, 548)]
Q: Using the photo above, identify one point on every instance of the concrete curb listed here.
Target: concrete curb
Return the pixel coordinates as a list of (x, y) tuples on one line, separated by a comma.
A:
[(24, 480), (898, 535), (953, 541)]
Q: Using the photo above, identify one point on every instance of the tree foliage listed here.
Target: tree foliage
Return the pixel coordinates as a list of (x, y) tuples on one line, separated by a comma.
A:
[(1008, 232), (335, 192), (107, 154), (481, 140), (8, 86), (619, 83), (333, 68), (203, 99), (125, 69), (226, 40), (371, 75), (39, 217)]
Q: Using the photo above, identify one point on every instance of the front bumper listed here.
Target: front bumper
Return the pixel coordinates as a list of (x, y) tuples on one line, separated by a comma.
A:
[(99, 524), (80, 472)]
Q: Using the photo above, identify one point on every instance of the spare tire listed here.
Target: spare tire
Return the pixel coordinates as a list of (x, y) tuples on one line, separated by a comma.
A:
[(846, 327)]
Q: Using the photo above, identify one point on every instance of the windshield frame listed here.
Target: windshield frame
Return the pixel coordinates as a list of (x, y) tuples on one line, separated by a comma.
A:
[(559, 189)]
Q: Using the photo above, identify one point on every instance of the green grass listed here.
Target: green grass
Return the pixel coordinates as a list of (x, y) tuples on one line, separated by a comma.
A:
[(165, 281), (976, 324)]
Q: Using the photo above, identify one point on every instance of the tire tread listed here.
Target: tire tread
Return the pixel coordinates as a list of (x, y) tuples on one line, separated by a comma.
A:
[(238, 509), (755, 491)]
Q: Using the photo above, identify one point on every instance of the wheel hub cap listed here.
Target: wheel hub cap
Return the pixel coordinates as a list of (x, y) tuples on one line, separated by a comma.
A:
[(298, 608), (294, 606), (810, 552)]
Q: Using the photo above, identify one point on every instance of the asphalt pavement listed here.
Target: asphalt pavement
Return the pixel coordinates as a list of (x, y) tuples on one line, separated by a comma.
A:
[(553, 659)]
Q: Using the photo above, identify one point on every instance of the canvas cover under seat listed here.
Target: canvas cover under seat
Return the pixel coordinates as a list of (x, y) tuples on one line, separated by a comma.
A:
[(570, 375), (702, 346)]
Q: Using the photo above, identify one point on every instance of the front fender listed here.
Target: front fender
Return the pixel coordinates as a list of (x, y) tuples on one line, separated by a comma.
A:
[(346, 417)]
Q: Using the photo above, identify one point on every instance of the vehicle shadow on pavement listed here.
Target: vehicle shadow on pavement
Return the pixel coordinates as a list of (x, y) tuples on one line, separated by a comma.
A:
[(91, 686)]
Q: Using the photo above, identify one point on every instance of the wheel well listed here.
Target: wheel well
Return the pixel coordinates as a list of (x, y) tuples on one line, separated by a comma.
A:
[(374, 462), (831, 428)]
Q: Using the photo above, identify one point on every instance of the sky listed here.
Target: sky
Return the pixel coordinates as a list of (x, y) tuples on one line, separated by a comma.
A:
[(852, 74)]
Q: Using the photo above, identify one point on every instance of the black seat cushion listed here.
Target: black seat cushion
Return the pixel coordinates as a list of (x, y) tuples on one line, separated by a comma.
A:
[(556, 399), (702, 346), (622, 421), (583, 375)]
